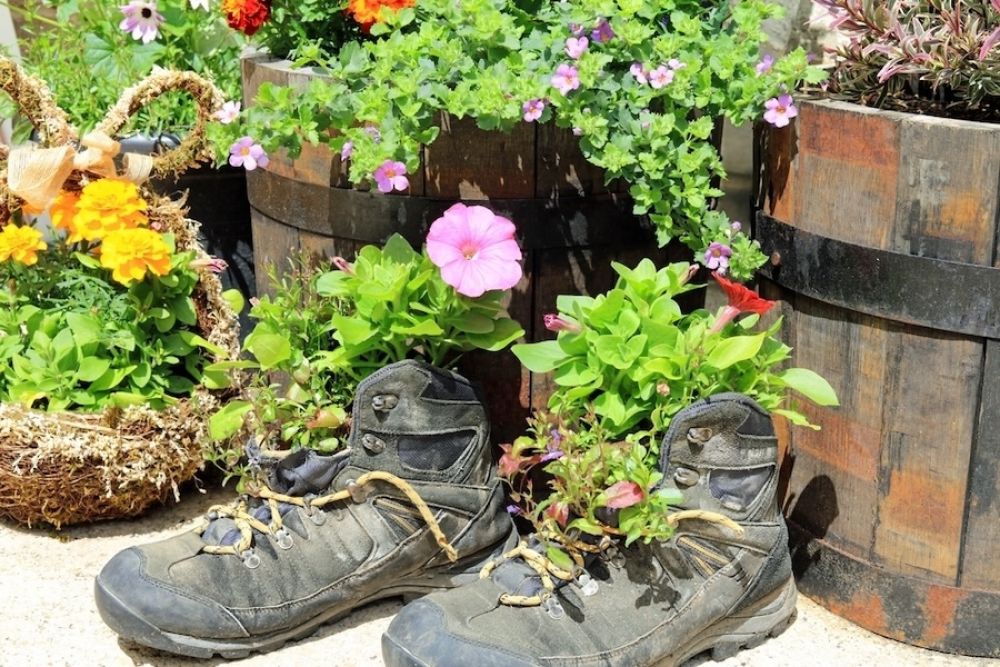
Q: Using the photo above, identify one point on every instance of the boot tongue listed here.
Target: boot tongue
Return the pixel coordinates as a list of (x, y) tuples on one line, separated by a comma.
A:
[(515, 577), (300, 473)]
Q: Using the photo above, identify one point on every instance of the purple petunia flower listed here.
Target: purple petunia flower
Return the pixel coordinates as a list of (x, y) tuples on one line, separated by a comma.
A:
[(602, 32), (717, 256), (513, 509), (780, 110), (247, 154), (566, 78), (533, 110), (391, 176), (141, 20), (765, 64)]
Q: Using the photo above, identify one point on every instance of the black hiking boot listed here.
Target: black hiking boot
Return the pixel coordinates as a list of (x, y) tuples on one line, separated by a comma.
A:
[(723, 581), (412, 506)]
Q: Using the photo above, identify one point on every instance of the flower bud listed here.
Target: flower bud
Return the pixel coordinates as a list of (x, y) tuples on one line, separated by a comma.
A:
[(343, 265), (213, 264), (554, 322), (662, 388)]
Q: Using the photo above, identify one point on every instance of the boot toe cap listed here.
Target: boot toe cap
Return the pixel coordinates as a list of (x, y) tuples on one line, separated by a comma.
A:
[(144, 609), (419, 636)]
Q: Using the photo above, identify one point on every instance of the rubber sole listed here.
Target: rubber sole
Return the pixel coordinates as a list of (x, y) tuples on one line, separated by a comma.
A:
[(131, 627), (750, 628)]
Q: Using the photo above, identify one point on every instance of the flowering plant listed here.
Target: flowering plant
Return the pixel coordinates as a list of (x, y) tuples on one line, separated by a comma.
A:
[(101, 312), (624, 364), (642, 84), (329, 329), (926, 56), (90, 50)]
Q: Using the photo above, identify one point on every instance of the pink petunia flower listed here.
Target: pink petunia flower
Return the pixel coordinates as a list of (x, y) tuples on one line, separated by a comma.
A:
[(554, 322), (623, 494), (765, 64), (229, 112), (566, 78), (343, 265), (639, 72), (475, 250), (575, 46), (391, 176), (141, 20), (780, 110), (661, 76), (247, 154), (675, 64), (717, 256), (346, 151), (533, 110)]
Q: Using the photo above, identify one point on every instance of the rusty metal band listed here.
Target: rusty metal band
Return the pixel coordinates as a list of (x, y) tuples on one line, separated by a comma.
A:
[(920, 612), (373, 217), (938, 294)]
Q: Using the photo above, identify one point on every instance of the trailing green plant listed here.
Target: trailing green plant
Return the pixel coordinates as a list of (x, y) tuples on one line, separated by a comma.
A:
[(642, 83), (324, 331), (934, 56), (87, 58), (624, 363)]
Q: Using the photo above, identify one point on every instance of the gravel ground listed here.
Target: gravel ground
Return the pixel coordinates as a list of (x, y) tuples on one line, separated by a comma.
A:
[(46, 581)]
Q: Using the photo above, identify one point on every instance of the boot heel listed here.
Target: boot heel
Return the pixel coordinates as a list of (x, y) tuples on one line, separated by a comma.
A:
[(754, 624)]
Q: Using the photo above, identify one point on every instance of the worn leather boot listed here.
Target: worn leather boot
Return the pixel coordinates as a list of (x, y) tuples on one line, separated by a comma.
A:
[(714, 585), (412, 506)]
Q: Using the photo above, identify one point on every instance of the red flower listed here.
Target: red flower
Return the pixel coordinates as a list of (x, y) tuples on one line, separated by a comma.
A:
[(510, 463), (247, 16), (743, 299), (623, 494)]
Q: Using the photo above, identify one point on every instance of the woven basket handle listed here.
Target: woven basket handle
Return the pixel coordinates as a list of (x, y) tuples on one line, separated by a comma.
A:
[(194, 148), (35, 101)]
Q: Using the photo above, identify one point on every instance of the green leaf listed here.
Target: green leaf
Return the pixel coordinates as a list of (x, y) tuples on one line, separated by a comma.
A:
[(86, 329), (539, 357), (234, 299), (422, 328), (504, 333), (811, 385), (92, 368), (183, 309), (228, 420), (474, 323), (574, 374), (734, 350), (269, 349), (399, 250), (559, 558), (351, 330), (796, 418), (586, 526), (332, 284)]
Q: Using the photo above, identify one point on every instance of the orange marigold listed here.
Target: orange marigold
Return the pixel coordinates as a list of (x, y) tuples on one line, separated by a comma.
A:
[(368, 12), (106, 206), (131, 253), (63, 213), (20, 244), (247, 16)]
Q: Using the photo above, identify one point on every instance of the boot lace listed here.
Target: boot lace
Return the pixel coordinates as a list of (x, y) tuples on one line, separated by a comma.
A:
[(547, 571), (247, 523)]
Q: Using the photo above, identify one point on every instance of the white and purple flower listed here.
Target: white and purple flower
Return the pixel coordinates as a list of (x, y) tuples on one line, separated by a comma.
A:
[(246, 153), (533, 109), (229, 112), (575, 46), (391, 176), (566, 78), (780, 110), (661, 77), (717, 256), (141, 20), (765, 65)]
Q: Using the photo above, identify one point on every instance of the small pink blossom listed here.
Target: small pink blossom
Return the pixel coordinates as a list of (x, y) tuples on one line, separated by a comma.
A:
[(533, 110), (717, 256), (559, 512), (141, 20), (247, 154), (736, 226), (765, 64), (639, 72), (780, 110), (374, 133), (623, 494), (346, 151), (575, 46), (675, 64), (566, 78), (554, 322), (661, 76), (229, 112), (475, 250), (577, 131), (391, 176)]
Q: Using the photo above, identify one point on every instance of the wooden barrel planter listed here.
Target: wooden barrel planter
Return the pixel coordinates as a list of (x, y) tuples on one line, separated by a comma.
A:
[(570, 225), (882, 229)]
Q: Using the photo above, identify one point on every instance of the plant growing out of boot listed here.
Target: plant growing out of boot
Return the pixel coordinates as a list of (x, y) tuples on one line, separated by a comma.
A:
[(660, 536), (325, 330)]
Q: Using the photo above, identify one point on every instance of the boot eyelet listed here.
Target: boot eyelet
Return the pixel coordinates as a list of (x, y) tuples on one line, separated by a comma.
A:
[(337, 513), (588, 585), (384, 402), (553, 608), (699, 436), (686, 476), (250, 559), (318, 517), (372, 444), (284, 539), (357, 491)]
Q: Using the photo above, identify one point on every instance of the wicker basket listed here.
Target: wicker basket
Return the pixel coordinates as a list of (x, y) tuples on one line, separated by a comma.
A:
[(72, 467)]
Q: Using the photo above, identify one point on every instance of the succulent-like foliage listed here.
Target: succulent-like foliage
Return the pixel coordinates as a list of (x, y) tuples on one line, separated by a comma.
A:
[(934, 56)]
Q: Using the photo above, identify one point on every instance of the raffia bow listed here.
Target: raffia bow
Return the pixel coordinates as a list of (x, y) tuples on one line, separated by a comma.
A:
[(36, 175)]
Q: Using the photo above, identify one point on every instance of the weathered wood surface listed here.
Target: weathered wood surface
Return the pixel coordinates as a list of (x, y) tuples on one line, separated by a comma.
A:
[(570, 224), (903, 475)]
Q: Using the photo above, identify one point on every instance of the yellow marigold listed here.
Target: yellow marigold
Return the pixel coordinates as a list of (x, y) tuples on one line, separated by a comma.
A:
[(108, 205), (63, 214), (20, 244), (130, 253)]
